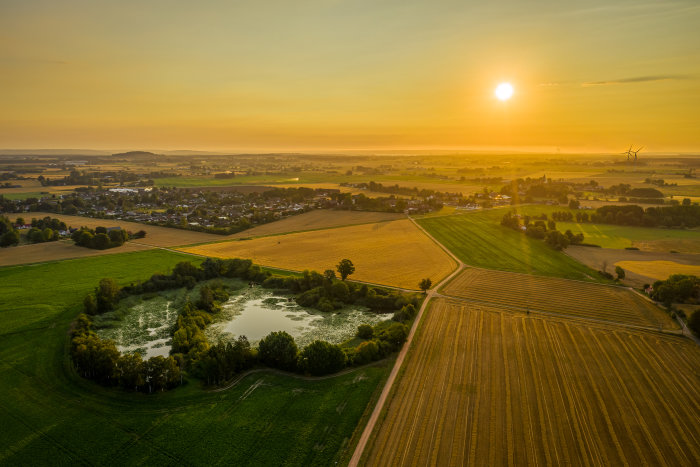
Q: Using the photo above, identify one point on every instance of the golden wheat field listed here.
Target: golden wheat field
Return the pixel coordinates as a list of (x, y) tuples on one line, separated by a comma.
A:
[(392, 253), (155, 235), (317, 219), (659, 269), (560, 296), (486, 387)]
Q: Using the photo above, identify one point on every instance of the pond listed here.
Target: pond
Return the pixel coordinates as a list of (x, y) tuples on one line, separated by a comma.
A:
[(256, 312), (144, 326)]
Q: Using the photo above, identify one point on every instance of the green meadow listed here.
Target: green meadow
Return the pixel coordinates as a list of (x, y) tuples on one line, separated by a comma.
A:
[(478, 239)]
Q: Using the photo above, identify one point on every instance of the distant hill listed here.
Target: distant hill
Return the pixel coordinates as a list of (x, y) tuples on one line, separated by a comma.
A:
[(136, 154)]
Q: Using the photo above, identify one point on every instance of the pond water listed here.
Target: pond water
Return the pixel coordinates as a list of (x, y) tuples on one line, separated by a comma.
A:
[(252, 312), (145, 328), (256, 312)]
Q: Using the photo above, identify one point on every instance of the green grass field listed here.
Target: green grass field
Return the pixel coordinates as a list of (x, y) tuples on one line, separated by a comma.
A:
[(50, 416), (478, 239), (619, 236)]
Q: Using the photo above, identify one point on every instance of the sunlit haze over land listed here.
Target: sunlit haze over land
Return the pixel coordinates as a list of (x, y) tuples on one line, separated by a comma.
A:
[(342, 75)]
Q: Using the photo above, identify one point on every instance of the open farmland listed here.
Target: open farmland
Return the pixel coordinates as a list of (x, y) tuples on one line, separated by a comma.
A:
[(392, 253), (659, 269), (155, 235), (487, 387), (478, 239), (317, 219), (644, 238), (55, 251), (606, 258), (558, 296)]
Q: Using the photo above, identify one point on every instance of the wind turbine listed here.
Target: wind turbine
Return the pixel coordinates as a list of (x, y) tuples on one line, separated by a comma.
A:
[(628, 153), (635, 152)]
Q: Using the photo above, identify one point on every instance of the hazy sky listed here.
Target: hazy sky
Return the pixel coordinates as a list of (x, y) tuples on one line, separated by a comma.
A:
[(331, 74)]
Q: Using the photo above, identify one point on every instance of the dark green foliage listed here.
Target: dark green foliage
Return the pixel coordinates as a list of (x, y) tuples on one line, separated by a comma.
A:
[(106, 295), (406, 313), (664, 216), (345, 268), (678, 288), (99, 360), (556, 240), (9, 238), (620, 272), (694, 322), (278, 350), (224, 360), (425, 284), (321, 358), (393, 336), (365, 331), (365, 353), (574, 239)]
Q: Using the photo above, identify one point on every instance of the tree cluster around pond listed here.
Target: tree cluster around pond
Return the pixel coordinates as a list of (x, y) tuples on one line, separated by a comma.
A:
[(193, 355), (100, 238)]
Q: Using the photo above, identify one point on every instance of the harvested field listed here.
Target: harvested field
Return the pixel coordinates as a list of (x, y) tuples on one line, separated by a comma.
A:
[(486, 387), (155, 235), (561, 296), (54, 251), (599, 258), (392, 253), (658, 269), (317, 219)]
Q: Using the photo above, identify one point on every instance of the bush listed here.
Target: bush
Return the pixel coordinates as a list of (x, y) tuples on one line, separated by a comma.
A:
[(365, 331), (278, 350), (366, 352), (321, 358)]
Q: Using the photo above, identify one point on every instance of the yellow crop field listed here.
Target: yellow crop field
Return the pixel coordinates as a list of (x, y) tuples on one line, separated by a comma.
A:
[(485, 387), (155, 235), (317, 219), (560, 296), (659, 269), (392, 253)]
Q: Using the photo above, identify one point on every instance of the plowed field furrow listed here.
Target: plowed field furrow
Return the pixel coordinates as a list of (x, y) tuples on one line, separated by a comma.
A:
[(552, 295), (484, 386)]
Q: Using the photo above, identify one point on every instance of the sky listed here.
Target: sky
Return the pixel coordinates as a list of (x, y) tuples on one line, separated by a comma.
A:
[(299, 75)]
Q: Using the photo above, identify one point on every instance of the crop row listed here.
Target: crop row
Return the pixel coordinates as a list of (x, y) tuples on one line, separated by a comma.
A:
[(487, 387), (558, 296)]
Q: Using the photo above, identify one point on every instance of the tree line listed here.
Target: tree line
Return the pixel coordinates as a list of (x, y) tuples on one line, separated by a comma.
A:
[(541, 228)]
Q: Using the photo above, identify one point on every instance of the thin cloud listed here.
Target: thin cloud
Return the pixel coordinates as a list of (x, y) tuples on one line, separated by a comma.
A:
[(636, 79)]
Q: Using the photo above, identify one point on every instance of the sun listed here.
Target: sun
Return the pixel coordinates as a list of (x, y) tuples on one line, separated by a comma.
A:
[(504, 91)]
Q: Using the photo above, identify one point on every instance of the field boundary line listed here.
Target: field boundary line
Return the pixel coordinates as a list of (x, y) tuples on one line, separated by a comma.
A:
[(372, 421), (243, 375)]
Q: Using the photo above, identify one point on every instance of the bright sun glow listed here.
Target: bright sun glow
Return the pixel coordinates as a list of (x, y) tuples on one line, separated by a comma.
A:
[(504, 91)]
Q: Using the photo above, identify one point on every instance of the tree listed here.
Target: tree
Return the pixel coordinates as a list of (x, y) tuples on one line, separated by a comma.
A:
[(425, 284), (574, 204), (101, 241), (278, 350), (11, 237), (106, 294), (365, 331), (556, 240), (345, 268), (694, 322), (329, 274), (321, 358), (620, 272)]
